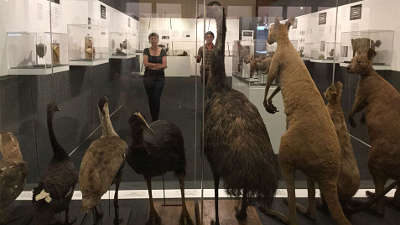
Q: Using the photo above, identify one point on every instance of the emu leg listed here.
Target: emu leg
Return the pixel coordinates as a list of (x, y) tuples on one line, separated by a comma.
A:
[(154, 218), (117, 220), (185, 217), (216, 186), (241, 214)]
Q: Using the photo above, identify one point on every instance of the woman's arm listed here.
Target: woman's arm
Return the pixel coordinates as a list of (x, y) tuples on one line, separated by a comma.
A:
[(146, 63), (158, 66)]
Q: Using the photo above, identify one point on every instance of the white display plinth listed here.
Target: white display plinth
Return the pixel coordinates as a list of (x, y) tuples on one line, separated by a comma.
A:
[(323, 61), (38, 71), (122, 57), (88, 63)]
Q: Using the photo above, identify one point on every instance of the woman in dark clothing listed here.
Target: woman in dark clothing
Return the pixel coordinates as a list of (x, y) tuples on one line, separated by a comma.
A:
[(155, 61)]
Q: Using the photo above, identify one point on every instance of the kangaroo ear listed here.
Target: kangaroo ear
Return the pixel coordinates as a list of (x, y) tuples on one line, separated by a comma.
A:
[(290, 22)]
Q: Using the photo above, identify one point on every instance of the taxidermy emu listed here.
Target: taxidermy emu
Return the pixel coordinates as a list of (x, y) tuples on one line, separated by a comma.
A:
[(13, 171), (381, 104), (56, 187), (310, 143), (237, 144), (156, 149), (102, 165)]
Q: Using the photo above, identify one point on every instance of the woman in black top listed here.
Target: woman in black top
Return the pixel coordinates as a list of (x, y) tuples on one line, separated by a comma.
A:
[(155, 61)]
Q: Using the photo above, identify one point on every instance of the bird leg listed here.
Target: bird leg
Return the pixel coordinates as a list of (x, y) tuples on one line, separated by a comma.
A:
[(117, 220), (241, 214), (185, 217), (154, 218), (69, 197), (216, 186), (96, 215)]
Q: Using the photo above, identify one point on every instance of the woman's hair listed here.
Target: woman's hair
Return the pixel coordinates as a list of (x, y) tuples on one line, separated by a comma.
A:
[(209, 33), (154, 34)]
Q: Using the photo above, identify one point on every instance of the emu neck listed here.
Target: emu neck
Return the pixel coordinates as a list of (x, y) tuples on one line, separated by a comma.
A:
[(217, 78), (59, 152), (107, 127)]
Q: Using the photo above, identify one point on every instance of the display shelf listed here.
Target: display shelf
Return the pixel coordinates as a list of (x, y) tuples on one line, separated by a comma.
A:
[(376, 67), (38, 71), (122, 56), (88, 62), (323, 61)]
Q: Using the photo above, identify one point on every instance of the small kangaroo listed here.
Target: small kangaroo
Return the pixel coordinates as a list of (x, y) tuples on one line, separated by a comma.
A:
[(349, 177)]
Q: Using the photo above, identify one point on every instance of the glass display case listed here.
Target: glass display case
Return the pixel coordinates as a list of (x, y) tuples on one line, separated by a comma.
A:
[(379, 40), (88, 44), (122, 45), (37, 53), (230, 107)]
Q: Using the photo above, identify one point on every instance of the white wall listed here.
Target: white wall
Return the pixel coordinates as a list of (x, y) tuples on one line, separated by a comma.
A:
[(384, 16)]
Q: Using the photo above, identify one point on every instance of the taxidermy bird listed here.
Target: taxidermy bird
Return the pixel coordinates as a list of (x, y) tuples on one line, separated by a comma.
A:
[(56, 187), (102, 165), (13, 171), (156, 149), (237, 144)]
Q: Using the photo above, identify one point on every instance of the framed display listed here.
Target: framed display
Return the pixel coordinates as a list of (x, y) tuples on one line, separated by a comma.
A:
[(322, 18), (103, 12), (356, 12)]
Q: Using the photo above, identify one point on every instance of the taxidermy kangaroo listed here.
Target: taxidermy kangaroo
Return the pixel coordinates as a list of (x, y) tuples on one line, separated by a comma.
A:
[(310, 143), (381, 104)]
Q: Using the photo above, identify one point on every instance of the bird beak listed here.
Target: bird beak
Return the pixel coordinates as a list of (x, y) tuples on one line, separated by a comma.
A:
[(144, 120)]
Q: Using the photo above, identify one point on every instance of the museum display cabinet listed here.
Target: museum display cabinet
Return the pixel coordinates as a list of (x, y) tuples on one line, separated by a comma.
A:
[(37, 53), (88, 44), (184, 127), (122, 45), (382, 41)]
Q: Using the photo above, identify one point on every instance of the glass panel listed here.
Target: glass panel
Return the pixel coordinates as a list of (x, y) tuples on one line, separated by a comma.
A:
[(209, 97)]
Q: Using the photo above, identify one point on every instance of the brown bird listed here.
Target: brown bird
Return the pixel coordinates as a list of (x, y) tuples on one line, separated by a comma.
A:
[(56, 187), (102, 165), (156, 149), (13, 171), (237, 144)]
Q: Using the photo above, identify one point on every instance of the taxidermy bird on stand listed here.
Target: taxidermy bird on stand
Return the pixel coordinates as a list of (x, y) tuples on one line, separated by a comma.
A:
[(237, 144), (156, 149), (102, 165), (55, 189), (13, 171)]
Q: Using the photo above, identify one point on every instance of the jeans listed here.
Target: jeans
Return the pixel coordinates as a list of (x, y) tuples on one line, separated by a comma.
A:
[(154, 86)]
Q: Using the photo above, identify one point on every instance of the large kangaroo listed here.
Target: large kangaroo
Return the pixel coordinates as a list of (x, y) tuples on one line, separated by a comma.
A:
[(310, 143)]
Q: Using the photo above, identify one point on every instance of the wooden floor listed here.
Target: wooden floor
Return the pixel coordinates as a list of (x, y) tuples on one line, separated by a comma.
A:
[(135, 212)]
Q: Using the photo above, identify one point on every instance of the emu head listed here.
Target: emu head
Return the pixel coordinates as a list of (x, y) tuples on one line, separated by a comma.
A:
[(214, 9), (362, 63), (278, 30), (334, 92)]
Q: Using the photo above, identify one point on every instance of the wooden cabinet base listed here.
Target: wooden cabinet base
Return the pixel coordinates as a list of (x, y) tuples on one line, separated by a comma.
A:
[(170, 214)]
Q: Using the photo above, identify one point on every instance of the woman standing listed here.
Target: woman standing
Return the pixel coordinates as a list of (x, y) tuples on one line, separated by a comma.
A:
[(155, 61)]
